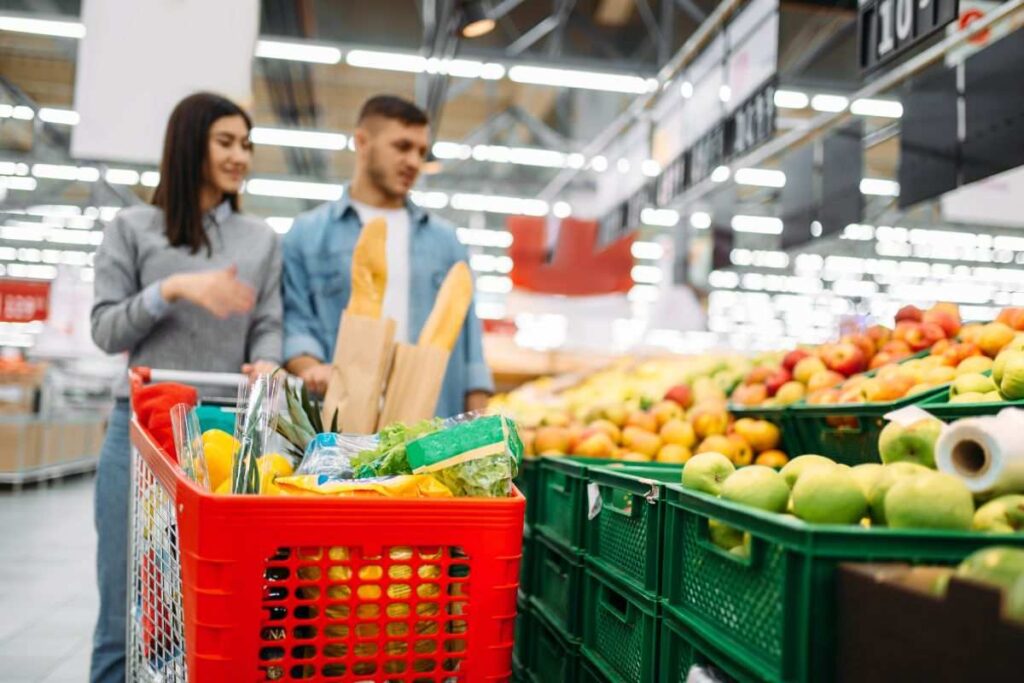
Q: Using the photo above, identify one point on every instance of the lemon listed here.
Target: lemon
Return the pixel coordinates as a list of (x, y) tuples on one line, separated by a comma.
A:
[(219, 448), (276, 463), (225, 488)]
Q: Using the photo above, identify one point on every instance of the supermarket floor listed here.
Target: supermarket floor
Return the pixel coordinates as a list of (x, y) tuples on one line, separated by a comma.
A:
[(48, 597)]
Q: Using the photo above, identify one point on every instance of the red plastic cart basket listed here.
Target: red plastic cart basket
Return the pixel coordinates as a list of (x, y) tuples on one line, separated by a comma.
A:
[(263, 588)]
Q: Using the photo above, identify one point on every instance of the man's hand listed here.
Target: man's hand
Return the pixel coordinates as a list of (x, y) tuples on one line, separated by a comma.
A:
[(316, 377), (260, 367), (218, 291), (477, 400)]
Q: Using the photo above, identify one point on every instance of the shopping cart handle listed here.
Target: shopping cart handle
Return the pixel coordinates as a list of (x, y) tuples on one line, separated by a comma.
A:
[(144, 375)]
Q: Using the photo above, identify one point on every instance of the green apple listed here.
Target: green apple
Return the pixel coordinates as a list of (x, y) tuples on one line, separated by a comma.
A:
[(757, 486), (1011, 384), (867, 475), (889, 476), (1004, 514), (741, 550), (706, 472), (724, 536), (910, 443), (999, 566), (798, 465), (972, 382), (829, 495), (992, 397), (1000, 363), (930, 501), (968, 397)]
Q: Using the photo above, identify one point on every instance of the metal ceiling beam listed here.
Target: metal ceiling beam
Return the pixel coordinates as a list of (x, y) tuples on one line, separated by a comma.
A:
[(525, 41), (691, 9), (503, 8), (562, 10), (594, 37)]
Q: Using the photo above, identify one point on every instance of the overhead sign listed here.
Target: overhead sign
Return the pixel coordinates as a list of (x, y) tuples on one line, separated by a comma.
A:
[(889, 28), (23, 301)]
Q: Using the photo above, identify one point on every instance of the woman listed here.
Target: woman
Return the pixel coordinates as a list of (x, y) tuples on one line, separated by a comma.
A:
[(188, 283)]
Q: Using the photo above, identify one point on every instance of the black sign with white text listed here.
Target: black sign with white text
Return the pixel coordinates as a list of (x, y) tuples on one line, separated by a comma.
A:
[(888, 28)]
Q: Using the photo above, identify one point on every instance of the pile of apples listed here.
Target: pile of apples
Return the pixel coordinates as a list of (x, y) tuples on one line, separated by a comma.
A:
[(688, 420)]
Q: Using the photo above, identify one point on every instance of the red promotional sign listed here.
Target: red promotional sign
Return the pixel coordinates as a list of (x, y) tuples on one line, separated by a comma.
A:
[(22, 301), (577, 267)]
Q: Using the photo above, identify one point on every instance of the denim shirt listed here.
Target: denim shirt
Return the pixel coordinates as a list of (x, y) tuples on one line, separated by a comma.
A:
[(317, 281)]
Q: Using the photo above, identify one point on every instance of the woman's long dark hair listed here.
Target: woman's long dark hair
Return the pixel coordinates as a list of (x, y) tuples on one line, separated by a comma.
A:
[(186, 146)]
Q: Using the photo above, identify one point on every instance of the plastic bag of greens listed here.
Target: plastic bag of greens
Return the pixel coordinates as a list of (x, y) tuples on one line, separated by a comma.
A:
[(333, 455), (477, 457), (389, 457)]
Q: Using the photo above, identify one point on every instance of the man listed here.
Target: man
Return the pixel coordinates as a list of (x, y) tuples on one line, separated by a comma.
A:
[(392, 140)]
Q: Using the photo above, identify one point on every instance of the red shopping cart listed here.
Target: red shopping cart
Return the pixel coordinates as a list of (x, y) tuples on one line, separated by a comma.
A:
[(263, 588)]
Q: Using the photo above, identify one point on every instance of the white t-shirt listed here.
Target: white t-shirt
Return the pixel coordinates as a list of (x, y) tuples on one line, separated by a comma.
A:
[(396, 294)]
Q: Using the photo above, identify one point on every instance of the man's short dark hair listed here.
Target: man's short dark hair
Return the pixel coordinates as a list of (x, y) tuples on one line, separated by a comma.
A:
[(393, 107)]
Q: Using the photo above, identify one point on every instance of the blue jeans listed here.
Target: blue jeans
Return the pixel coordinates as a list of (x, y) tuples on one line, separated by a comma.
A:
[(111, 518)]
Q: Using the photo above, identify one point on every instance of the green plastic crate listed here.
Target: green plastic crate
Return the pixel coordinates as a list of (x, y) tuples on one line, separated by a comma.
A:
[(778, 416), (526, 482), (620, 629), (526, 563), (625, 538), (680, 648), (561, 490), (551, 657), (774, 611), (938, 405), (520, 650), (591, 673), (557, 585)]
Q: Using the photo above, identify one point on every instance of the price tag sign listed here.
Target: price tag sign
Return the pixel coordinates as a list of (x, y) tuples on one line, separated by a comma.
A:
[(889, 28)]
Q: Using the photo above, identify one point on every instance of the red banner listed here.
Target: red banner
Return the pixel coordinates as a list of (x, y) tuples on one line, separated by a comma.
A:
[(577, 267), (22, 301)]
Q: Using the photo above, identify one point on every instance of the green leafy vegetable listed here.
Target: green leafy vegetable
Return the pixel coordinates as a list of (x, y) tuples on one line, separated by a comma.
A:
[(389, 458)]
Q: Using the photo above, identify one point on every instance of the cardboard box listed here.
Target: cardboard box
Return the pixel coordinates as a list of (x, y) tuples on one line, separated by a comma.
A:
[(892, 627)]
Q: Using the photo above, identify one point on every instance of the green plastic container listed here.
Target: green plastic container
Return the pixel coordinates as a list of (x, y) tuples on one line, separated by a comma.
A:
[(557, 584), (551, 657), (680, 648), (520, 650), (526, 482), (561, 490), (590, 673), (620, 629), (939, 406), (526, 563), (774, 611), (626, 537)]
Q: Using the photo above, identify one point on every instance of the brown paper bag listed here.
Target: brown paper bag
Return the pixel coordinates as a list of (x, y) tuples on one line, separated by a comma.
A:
[(362, 358), (414, 384)]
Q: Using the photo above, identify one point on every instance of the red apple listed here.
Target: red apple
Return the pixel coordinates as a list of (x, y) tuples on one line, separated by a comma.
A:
[(863, 342), (909, 313), (759, 375), (1012, 316), (749, 395), (681, 394), (776, 380), (845, 358), (944, 318), (956, 353), (932, 333), (793, 357), (879, 334), (896, 348), (824, 380), (881, 358)]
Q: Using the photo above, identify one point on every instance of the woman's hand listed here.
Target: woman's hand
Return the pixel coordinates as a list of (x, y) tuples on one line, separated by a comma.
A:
[(260, 367), (218, 291)]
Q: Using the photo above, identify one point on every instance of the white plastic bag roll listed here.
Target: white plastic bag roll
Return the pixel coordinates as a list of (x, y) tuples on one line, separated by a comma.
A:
[(986, 453)]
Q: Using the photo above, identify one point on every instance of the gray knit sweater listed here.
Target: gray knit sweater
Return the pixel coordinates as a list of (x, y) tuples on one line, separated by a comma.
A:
[(128, 314)]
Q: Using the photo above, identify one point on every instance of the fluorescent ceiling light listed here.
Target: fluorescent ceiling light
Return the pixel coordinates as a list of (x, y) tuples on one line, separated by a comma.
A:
[(762, 177), (700, 220), (791, 99), (686, 90), (54, 210), (647, 250), (599, 164), (292, 188), (762, 225), (829, 103), (499, 204), (298, 52), (471, 68), (575, 160), (285, 137), (561, 209), (481, 237), (883, 108), (67, 117), (86, 174), (121, 176), (573, 78), (280, 224), (720, 174), (494, 284), (451, 150), (388, 61), (429, 199), (18, 183), (650, 168), (150, 178), (651, 275), (880, 187), (20, 111), (665, 218), (724, 92), (13, 168), (526, 156), (43, 27), (623, 166)]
